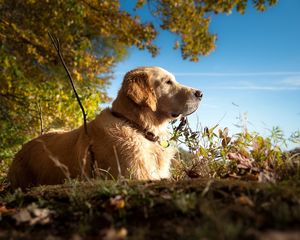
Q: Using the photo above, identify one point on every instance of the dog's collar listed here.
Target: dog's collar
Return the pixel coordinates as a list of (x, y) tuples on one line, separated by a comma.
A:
[(147, 134)]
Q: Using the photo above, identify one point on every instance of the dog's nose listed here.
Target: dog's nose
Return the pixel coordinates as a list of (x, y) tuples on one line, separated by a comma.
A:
[(198, 94)]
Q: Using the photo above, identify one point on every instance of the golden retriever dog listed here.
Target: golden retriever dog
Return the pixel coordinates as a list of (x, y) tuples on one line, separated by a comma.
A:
[(124, 140)]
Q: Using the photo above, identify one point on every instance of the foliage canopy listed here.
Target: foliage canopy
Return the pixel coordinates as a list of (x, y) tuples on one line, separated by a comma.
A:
[(94, 36)]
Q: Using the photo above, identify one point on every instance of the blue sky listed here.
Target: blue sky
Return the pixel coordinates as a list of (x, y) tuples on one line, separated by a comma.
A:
[(255, 69)]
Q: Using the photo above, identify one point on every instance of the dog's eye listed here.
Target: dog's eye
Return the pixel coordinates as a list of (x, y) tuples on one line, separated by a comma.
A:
[(169, 82)]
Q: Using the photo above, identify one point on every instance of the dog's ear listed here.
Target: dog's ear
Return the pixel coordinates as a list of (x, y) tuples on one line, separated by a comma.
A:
[(137, 88)]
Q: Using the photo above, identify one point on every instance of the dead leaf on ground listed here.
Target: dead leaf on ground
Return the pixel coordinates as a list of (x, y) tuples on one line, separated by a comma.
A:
[(33, 215), (278, 235), (166, 196), (244, 200), (117, 202), (22, 216), (4, 209), (76, 237), (114, 234)]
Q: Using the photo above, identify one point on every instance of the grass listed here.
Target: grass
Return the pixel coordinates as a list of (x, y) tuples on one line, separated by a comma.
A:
[(241, 186)]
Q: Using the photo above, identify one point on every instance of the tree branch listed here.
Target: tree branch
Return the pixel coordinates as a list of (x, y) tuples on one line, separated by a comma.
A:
[(56, 45), (40, 117)]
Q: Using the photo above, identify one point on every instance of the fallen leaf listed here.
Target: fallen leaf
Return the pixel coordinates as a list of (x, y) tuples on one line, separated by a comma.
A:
[(3, 209), (117, 202), (33, 215), (41, 216), (76, 237), (279, 235), (114, 234), (244, 200), (22, 216), (166, 196)]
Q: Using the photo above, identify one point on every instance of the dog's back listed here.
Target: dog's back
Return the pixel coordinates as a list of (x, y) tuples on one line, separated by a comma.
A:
[(38, 162)]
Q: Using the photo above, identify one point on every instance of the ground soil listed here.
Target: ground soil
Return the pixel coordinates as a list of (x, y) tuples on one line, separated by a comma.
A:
[(187, 209)]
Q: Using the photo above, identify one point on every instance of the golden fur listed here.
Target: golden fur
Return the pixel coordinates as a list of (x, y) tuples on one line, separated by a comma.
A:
[(149, 97)]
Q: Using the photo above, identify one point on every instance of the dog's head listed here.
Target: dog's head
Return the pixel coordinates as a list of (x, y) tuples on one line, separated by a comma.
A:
[(156, 89)]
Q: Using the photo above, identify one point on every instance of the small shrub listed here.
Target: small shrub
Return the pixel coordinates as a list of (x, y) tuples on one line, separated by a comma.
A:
[(214, 152)]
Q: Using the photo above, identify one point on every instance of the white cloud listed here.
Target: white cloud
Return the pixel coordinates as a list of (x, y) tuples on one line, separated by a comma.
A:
[(235, 74), (260, 88), (287, 84), (292, 81)]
